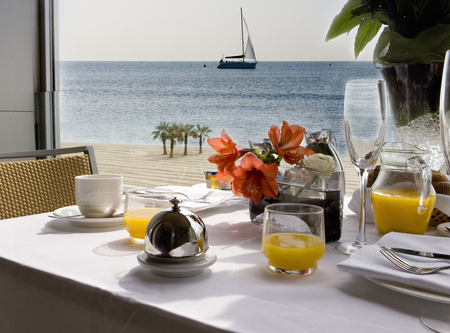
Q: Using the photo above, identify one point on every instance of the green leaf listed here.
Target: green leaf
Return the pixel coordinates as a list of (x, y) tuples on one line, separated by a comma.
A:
[(367, 30), (344, 22)]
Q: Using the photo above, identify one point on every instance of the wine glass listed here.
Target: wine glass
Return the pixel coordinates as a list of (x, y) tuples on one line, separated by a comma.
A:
[(438, 319), (365, 109), (444, 110)]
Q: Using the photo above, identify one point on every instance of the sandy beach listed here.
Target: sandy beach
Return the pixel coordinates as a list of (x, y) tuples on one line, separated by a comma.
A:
[(145, 165)]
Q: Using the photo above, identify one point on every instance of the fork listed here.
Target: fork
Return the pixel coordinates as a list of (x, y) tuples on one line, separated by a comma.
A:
[(397, 261), (201, 199)]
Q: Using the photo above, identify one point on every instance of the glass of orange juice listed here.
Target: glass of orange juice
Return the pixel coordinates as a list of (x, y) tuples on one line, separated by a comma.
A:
[(140, 207), (293, 238)]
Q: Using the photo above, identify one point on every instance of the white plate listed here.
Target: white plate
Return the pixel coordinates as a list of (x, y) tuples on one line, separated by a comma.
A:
[(216, 199), (412, 291), (90, 222), (226, 201), (177, 269), (442, 230)]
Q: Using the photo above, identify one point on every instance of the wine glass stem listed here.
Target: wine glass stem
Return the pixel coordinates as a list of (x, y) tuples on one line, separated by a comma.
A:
[(361, 239)]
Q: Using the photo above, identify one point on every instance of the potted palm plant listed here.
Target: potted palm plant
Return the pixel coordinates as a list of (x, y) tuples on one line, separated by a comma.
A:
[(410, 52)]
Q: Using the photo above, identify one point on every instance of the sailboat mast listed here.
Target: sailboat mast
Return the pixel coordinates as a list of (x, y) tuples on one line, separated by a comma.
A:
[(242, 35)]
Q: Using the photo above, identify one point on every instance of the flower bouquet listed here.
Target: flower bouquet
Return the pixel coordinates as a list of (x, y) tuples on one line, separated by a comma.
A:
[(306, 176)]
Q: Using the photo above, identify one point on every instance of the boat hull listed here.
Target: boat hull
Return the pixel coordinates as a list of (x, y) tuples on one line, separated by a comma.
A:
[(237, 65)]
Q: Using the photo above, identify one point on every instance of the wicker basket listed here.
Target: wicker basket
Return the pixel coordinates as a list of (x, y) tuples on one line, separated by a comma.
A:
[(438, 217)]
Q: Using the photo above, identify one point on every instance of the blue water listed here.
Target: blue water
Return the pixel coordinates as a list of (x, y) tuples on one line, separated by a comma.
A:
[(123, 102)]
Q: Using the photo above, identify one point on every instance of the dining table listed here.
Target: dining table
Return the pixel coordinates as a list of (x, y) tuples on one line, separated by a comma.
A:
[(57, 276)]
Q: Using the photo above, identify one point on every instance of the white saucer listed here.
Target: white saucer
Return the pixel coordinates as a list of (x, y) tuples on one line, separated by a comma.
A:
[(442, 230), (82, 221), (177, 269)]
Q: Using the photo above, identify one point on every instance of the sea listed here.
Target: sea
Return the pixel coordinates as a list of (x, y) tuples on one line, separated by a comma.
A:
[(123, 102)]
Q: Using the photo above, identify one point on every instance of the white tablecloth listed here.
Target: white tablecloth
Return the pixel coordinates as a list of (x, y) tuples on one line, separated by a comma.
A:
[(58, 277)]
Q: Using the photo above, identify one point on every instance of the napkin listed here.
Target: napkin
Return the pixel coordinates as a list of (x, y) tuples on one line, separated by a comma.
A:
[(370, 263), (216, 199), (442, 203)]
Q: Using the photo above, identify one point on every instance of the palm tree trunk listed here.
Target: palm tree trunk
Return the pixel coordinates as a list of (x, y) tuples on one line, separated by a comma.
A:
[(200, 145), (185, 144), (171, 147), (165, 148)]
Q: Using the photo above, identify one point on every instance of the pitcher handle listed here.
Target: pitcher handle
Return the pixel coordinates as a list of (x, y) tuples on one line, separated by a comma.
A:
[(426, 182)]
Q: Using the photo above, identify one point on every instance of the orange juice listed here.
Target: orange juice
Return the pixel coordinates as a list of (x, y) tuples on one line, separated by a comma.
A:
[(136, 222), (293, 251), (396, 210)]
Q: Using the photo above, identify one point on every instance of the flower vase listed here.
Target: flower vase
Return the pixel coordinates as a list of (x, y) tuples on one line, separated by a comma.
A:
[(414, 91), (309, 188)]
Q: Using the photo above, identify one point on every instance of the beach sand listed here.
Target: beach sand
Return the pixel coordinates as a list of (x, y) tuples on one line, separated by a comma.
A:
[(146, 166)]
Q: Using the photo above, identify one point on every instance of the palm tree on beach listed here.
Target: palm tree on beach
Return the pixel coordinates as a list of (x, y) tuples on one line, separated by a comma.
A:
[(187, 130), (201, 133), (161, 133), (174, 134)]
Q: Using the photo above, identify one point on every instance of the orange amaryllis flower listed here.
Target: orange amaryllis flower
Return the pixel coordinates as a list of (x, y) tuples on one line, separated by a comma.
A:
[(226, 176), (253, 179), (227, 154), (287, 142)]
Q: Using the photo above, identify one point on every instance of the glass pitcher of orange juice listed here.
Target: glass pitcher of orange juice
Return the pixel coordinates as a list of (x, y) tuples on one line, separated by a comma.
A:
[(402, 196)]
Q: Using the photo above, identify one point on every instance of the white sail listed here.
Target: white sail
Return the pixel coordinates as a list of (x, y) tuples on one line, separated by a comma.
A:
[(249, 51)]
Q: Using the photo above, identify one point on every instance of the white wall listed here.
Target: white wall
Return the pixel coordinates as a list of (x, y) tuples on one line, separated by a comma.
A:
[(18, 78)]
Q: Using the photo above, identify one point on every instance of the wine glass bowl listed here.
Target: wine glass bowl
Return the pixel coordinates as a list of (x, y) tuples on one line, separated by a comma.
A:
[(444, 110), (365, 112)]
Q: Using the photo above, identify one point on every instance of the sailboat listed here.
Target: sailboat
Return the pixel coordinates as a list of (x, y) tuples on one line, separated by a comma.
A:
[(246, 60)]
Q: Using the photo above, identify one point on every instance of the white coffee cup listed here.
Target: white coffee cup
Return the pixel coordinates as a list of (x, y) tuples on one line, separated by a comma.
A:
[(99, 195)]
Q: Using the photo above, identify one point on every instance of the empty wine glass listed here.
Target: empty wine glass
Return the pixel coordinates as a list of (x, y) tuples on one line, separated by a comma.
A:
[(438, 319), (444, 110), (365, 109)]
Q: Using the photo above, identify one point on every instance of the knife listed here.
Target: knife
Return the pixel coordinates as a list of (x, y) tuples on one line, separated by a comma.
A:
[(418, 253)]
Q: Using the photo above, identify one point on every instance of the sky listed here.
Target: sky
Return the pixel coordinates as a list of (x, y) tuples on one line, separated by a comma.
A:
[(201, 30)]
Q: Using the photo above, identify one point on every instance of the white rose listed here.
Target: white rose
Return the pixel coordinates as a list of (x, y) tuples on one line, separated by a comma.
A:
[(323, 164)]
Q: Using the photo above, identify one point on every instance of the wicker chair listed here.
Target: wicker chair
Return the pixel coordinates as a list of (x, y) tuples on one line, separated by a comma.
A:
[(42, 185)]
